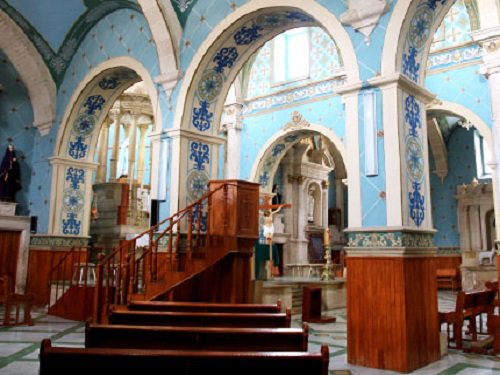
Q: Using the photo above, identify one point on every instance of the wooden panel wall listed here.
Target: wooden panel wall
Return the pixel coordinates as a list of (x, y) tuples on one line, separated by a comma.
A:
[(40, 264), (231, 276), (448, 261), (392, 313), (9, 251)]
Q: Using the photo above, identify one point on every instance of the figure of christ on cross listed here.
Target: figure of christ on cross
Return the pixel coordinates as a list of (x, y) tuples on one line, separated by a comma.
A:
[(269, 211)]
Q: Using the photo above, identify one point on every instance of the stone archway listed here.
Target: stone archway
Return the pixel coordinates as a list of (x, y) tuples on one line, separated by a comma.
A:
[(308, 176), (204, 90), (32, 70), (74, 164)]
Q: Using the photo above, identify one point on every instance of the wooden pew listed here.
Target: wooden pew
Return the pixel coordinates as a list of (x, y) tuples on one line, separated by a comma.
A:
[(198, 319), (468, 306), (447, 278), (13, 301), (76, 361), (204, 307), (196, 338)]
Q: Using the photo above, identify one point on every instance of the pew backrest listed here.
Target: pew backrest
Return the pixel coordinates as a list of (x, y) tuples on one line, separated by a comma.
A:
[(196, 338), (204, 307), (76, 361), (168, 318)]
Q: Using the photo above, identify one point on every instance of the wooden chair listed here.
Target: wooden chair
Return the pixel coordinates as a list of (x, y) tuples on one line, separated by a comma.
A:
[(463, 310), (11, 300)]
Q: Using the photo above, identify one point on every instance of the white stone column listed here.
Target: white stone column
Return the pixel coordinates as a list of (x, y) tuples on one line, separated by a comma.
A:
[(324, 205), (339, 199), (131, 146), (116, 116), (490, 41), (103, 151), (234, 126), (142, 145)]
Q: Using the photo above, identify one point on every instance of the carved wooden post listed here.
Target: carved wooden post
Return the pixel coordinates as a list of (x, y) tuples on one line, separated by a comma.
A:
[(234, 217), (98, 289)]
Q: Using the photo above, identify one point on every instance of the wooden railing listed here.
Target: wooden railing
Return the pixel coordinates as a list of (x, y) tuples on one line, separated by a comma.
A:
[(145, 271), (72, 269)]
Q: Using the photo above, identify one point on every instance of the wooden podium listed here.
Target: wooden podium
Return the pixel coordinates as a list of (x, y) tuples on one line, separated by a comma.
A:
[(311, 306)]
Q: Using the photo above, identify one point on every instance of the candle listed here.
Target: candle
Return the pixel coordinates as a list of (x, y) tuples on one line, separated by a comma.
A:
[(326, 236)]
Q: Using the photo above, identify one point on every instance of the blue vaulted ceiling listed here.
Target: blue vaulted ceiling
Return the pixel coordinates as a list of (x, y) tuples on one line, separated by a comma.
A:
[(57, 27)]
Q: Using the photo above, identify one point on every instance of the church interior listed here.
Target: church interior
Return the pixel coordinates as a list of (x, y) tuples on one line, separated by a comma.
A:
[(320, 169)]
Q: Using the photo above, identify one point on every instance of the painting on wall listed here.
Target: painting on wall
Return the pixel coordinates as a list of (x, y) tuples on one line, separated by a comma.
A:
[(315, 247)]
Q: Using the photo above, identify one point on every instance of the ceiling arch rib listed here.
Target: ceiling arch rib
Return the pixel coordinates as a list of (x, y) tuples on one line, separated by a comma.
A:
[(32, 70), (166, 32), (438, 148)]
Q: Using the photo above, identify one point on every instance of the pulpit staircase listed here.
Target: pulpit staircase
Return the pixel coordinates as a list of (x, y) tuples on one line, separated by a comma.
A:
[(201, 253)]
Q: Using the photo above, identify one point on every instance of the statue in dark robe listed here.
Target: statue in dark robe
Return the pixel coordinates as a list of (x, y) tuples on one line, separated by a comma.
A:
[(10, 175)]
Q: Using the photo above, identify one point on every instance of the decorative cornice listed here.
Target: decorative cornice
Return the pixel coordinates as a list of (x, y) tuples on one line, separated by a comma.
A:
[(402, 239), (44, 242), (58, 160), (404, 83), (169, 81), (364, 15), (184, 133), (392, 252)]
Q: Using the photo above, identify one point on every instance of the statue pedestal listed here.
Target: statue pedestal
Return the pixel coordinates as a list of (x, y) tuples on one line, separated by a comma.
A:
[(7, 208)]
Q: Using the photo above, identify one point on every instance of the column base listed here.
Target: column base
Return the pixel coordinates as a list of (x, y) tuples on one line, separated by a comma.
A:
[(392, 310)]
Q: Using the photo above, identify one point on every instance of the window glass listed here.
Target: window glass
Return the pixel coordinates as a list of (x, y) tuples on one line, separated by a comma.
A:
[(291, 56)]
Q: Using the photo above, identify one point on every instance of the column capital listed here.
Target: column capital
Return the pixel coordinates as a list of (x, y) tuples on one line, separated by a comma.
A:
[(169, 81), (115, 114), (232, 118), (489, 39)]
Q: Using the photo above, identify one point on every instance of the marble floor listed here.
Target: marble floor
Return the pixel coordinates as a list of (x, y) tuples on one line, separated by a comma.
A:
[(19, 346)]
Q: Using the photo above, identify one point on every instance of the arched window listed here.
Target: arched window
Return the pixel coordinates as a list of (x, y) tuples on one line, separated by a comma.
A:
[(291, 56), (482, 154)]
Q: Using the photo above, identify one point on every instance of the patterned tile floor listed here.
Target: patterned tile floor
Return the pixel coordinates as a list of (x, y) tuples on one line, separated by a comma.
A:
[(19, 346)]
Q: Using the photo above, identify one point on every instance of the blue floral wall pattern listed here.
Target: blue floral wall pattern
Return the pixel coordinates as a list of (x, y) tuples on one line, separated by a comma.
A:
[(90, 113), (224, 59), (414, 161), (418, 36)]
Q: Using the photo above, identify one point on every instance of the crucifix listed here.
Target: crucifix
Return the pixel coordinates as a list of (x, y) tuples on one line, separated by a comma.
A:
[(269, 211)]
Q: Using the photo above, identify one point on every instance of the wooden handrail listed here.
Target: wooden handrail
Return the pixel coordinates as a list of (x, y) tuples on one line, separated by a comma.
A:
[(114, 279)]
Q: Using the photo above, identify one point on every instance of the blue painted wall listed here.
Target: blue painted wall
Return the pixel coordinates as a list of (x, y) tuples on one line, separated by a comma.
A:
[(462, 170), (257, 129), (16, 120)]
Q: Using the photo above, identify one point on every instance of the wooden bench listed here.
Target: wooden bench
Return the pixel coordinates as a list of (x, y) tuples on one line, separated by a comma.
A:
[(76, 361), (447, 278), (13, 301), (201, 319), (204, 307), (196, 338), (468, 306)]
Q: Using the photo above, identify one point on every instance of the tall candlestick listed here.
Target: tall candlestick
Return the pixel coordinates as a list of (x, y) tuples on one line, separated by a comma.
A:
[(326, 237)]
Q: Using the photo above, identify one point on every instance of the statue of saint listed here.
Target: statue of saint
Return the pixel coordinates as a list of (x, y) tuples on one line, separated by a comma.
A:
[(269, 225), (310, 206), (10, 175)]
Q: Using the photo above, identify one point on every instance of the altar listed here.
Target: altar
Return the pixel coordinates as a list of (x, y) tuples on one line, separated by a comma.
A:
[(289, 291)]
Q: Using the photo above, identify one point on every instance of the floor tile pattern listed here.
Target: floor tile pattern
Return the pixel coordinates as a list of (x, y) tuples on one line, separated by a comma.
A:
[(19, 346)]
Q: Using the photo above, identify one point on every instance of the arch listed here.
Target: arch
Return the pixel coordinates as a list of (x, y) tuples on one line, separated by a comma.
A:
[(77, 140), (275, 140), (32, 71), (437, 147), (312, 14), (166, 32), (409, 55), (457, 109)]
